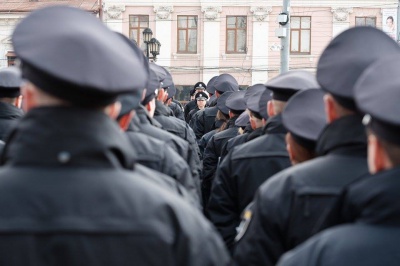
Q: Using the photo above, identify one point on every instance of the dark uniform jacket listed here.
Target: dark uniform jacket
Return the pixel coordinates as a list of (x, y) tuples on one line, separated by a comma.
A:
[(204, 121), (189, 107), (211, 156), (149, 126), (177, 110), (241, 173), (157, 155), (9, 115), (204, 141), (373, 205), (67, 198), (294, 204), (179, 128), (190, 116), (238, 140)]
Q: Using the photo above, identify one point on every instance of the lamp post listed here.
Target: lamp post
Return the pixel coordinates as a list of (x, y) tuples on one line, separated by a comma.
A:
[(152, 44)]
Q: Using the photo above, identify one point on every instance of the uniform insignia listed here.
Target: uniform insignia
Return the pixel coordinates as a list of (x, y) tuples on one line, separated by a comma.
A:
[(244, 224)]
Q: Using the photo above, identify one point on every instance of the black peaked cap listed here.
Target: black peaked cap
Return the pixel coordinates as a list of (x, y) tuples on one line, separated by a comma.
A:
[(243, 120), (226, 82), (288, 83), (201, 96), (304, 116), (265, 97), (167, 81), (200, 85), (221, 102), (72, 55), (377, 93), (236, 101), (347, 56), (10, 82), (254, 90), (153, 84), (210, 85), (253, 101)]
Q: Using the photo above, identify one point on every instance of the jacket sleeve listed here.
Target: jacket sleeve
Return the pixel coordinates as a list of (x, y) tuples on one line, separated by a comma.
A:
[(198, 124), (262, 241), (222, 208), (210, 161), (310, 253), (177, 168)]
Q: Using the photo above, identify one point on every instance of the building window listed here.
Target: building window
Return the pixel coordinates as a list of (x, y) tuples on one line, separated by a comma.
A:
[(137, 23), (366, 21), (236, 32), (300, 35), (187, 34), (11, 57)]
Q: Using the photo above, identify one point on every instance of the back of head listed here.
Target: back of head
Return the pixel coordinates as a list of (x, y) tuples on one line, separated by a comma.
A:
[(285, 85), (347, 56), (71, 55), (225, 83), (10, 82), (376, 94)]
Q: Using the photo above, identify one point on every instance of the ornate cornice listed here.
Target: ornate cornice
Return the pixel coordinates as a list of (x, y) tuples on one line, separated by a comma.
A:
[(341, 14), (114, 11), (261, 13), (163, 12), (211, 12)]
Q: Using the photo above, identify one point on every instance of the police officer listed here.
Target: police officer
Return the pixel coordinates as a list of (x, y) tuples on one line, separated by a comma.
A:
[(248, 165), (173, 104), (205, 119), (371, 204), (143, 122), (198, 87), (10, 99), (312, 189), (201, 102), (256, 121), (233, 107), (67, 196), (156, 154)]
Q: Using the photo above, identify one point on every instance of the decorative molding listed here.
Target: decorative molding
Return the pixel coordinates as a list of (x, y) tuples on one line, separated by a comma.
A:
[(9, 21), (163, 12), (114, 11), (211, 12), (341, 14), (261, 13)]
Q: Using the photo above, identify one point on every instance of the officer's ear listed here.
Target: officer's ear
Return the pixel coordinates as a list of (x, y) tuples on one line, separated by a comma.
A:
[(125, 120), (113, 110), (270, 109), (289, 149), (28, 93), (18, 101), (330, 108), (377, 156)]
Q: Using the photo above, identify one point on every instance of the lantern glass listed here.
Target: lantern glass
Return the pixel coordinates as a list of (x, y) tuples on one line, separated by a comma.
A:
[(147, 34)]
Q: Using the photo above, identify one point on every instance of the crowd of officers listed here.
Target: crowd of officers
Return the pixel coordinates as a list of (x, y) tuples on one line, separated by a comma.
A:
[(104, 167)]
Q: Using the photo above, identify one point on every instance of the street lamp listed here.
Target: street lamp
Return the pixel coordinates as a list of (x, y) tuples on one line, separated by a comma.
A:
[(152, 44)]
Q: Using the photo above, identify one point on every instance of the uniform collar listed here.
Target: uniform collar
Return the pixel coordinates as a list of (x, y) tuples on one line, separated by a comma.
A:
[(68, 136), (345, 135), (375, 199)]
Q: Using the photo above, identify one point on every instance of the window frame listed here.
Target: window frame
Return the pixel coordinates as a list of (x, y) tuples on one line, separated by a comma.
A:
[(236, 35), (299, 30), (140, 29), (186, 51), (365, 20)]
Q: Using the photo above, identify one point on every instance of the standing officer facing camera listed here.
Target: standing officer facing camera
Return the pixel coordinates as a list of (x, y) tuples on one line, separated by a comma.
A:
[(68, 194)]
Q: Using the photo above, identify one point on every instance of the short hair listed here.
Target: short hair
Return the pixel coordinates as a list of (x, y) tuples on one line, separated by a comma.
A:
[(392, 149), (391, 18)]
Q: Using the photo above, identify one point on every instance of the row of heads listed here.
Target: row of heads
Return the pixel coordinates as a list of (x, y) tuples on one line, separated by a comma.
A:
[(72, 55)]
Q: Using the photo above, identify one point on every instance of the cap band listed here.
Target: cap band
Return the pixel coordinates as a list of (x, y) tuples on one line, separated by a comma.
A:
[(388, 132), (72, 93)]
